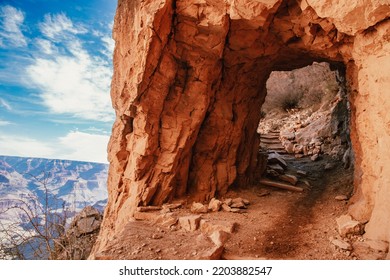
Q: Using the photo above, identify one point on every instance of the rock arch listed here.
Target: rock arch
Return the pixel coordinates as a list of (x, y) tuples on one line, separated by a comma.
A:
[(188, 84)]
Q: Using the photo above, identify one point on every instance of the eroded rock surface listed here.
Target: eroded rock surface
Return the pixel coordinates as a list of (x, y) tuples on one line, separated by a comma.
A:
[(189, 80)]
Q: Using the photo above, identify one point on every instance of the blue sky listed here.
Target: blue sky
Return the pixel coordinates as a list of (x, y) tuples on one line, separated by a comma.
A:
[(55, 75)]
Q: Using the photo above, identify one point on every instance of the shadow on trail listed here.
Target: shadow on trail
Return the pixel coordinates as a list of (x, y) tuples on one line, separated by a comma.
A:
[(284, 240)]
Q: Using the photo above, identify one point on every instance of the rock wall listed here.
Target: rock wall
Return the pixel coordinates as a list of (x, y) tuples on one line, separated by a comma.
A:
[(189, 80)]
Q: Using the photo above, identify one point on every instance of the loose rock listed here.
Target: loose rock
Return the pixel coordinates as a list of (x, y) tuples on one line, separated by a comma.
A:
[(208, 227), (190, 223), (215, 205), (198, 208), (219, 237), (342, 244), (341, 197), (347, 226)]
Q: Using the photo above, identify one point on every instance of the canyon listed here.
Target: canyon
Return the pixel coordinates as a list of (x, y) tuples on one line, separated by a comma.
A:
[(189, 81)]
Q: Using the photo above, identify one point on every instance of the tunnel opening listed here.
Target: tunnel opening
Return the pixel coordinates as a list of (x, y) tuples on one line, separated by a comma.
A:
[(305, 145), (306, 115)]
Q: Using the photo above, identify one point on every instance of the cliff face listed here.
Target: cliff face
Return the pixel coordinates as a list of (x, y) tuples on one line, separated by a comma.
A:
[(189, 80)]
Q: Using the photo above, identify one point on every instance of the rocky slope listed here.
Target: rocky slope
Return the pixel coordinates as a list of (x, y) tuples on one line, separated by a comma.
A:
[(69, 186), (189, 80)]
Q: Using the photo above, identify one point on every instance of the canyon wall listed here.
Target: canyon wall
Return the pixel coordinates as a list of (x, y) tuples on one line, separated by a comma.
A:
[(189, 80)]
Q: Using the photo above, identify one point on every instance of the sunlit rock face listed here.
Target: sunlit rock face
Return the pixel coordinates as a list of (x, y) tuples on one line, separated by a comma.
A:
[(189, 80)]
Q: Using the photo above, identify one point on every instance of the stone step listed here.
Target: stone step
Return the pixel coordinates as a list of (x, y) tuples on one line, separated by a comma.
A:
[(282, 152), (277, 146), (267, 136), (270, 141)]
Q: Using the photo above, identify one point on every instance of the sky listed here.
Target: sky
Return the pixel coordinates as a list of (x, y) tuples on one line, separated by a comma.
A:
[(55, 75)]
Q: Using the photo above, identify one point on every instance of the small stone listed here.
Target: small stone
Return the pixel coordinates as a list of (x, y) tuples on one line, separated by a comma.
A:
[(165, 220), (314, 157), (190, 223), (289, 147), (298, 156), (342, 244), (329, 166), (298, 149), (239, 201), (158, 250), (262, 192), (228, 201), (277, 168), (341, 197), (348, 226), (215, 205), (208, 227), (213, 254), (301, 172), (238, 210), (156, 236), (238, 204), (226, 208), (306, 182), (219, 237), (198, 208)]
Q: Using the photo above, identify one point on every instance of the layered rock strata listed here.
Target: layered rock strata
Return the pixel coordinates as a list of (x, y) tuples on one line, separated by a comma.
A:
[(189, 80)]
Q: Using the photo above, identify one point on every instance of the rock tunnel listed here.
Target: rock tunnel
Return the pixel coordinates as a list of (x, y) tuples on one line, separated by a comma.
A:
[(189, 80)]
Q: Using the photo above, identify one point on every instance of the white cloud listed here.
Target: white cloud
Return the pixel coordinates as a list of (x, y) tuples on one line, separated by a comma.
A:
[(5, 104), (4, 123), (75, 145), (84, 146), (109, 45), (58, 26), (45, 46), (25, 147), (11, 23), (76, 84)]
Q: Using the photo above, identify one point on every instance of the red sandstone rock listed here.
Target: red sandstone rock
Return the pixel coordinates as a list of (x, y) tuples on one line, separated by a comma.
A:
[(187, 90)]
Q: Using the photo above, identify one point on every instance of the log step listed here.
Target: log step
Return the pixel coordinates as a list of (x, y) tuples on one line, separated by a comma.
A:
[(280, 185)]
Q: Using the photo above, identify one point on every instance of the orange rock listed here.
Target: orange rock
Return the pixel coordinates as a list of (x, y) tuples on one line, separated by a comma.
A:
[(187, 91)]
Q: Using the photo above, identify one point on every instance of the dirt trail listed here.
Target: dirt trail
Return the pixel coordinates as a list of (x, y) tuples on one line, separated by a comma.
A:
[(278, 224)]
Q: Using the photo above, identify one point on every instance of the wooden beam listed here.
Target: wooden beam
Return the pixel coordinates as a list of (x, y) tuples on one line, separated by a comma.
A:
[(280, 185)]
